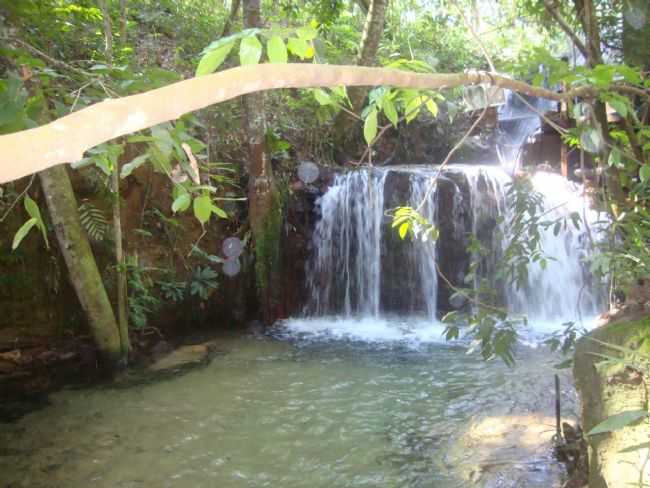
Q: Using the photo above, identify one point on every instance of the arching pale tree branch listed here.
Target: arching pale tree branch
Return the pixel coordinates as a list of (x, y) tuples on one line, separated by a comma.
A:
[(66, 139)]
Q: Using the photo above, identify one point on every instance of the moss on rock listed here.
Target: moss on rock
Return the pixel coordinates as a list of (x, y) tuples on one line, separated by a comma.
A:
[(267, 246), (605, 389)]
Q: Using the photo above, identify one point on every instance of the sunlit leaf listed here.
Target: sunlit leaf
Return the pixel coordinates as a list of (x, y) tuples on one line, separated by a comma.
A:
[(181, 203), (250, 51), (412, 109), (300, 48), (307, 33), (618, 421), (213, 59), (134, 164), (22, 232), (370, 126), (390, 111), (322, 97), (219, 212), (203, 208), (432, 107), (636, 447), (403, 229), (276, 50)]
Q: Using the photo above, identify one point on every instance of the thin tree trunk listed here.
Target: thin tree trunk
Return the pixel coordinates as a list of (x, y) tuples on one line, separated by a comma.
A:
[(122, 297), (81, 264), (586, 11), (234, 8), (265, 212), (120, 268), (123, 14), (372, 32), (364, 5), (108, 31)]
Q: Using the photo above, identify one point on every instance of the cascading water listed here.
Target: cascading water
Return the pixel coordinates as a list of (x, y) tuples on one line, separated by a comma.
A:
[(350, 248), (361, 272), (563, 290), (346, 270), (360, 269), (518, 120)]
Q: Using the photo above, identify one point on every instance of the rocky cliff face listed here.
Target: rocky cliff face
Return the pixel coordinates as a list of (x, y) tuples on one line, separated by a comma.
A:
[(464, 201)]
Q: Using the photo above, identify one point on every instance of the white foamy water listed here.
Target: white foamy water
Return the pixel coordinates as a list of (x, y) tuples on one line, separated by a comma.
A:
[(412, 332), (564, 290)]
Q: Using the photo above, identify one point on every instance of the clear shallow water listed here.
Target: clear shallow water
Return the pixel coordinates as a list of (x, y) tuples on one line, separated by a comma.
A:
[(295, 411)]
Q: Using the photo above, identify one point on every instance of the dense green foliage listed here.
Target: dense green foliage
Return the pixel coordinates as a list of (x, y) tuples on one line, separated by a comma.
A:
[(62, 55)]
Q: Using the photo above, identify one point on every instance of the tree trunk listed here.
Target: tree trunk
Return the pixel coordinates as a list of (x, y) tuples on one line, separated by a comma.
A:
[(120, 273), (264, 206), (123, 13), (108, 31), (372, 32), (120, 268), (636, 39), (81, 264), (234, 8)]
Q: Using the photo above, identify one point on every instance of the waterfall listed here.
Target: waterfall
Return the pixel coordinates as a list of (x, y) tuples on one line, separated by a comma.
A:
[(563, 290), (346, 270), (354, 247), (488, 203), (518, 120), (361, 268), (424, 195)]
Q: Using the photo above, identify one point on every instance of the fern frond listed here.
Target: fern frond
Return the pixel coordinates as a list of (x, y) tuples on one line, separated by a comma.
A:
[(93, 221)]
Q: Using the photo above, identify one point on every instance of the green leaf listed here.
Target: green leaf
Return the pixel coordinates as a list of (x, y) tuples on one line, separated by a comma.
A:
[(277, 50), (322, 97), (614, 157), (370, 126), (618, 421), (403, 229), (300, 48), (32, 208), (636, 447), (307, 33), (390, 112), (591, 140), (203, 208), (219, 212), (644, 173), (35, 213), (213, 59), (231, 38), (620, 106), (412, 109), (134, 164), (22, 232), (250, 51), (432, 107), (181, 203)]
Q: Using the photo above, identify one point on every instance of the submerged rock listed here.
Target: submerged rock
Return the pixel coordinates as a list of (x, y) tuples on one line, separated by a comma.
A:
[(182, 357), (511, 451)]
